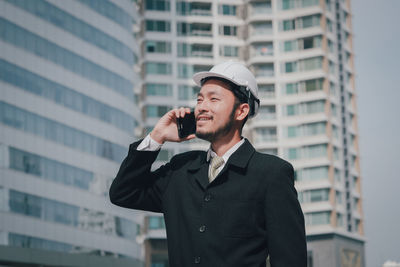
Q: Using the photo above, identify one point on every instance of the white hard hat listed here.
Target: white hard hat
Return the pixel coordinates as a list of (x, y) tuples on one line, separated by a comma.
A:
[(238, 74)]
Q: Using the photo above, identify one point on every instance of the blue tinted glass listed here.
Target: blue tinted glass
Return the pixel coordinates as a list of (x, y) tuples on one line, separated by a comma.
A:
[(60, 94), (86, 32), (40, 47), (111, 11), (99, 147)]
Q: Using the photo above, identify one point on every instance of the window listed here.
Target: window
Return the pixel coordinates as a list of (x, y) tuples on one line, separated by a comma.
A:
[(290, 67), (267, 134), (193, 8), (229, 51), (153, 111), (158, 89), (317, 195), (194, 29), (195, 50), (307, 152), (158, 26), (228, 30), (261, 7), (267, 112), (261, 28), (159, 68), (317, 218), (186, 92), (339, 197), (264, 70), (300, 23), (312, 173), (266, 90), (227, 10), (263, 49), (309, 129), (158, 47), (156, 222), (159, 5)]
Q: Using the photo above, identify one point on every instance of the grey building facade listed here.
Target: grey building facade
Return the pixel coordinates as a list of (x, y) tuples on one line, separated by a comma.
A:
[(68, 111)]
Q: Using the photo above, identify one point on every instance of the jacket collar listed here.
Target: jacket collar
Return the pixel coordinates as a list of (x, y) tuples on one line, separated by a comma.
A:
[(239, 158)]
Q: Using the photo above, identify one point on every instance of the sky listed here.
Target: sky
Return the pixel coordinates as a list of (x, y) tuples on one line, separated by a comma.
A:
[(377, 56)]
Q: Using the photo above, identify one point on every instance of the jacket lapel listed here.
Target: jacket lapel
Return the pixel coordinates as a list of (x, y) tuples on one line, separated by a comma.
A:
[(240, 158), (199, 169)]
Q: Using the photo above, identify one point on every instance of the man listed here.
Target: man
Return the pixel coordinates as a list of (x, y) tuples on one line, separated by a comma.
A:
[(229, 206)]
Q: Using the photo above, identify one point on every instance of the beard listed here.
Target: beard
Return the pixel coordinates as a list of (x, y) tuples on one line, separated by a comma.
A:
[(211, 136)]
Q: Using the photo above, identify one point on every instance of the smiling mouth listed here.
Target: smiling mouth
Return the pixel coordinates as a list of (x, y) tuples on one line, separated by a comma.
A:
[(203, 119)]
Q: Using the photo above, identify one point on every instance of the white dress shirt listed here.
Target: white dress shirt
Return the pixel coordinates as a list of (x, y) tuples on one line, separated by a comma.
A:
[(149, 144)]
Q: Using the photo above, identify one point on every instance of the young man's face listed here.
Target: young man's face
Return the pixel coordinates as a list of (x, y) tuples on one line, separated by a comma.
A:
[(215, 111)]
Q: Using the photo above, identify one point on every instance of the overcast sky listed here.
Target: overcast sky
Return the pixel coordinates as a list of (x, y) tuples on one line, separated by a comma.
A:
[(377, 57)]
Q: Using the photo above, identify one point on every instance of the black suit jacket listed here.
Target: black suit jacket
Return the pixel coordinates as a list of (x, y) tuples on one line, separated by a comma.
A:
[(249, 211)]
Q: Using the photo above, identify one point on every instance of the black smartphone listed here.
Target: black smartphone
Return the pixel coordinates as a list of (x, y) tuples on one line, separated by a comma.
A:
[(186, 125)]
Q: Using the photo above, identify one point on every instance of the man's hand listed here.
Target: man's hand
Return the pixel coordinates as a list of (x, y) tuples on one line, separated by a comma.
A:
[(166, 128)]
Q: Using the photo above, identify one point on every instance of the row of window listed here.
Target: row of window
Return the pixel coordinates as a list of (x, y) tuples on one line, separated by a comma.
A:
[(204, 9), (324, 218), (315, 195), (110, 10), (309, 129), (64, 96), (59, 133), (302, 43), (317, 218), (301, 65), (303, 86), (50, 169), (300, 23), (312, 174), (41, 47), (307, 152), (190, 8), (260, 7), (25, 241), (77, 27), (302, 108), (191, 50), (294, 4), (77, 217), (265, 134), (185, 92)]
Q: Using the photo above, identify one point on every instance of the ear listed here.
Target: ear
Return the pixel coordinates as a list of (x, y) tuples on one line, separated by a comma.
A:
[(242, 111)]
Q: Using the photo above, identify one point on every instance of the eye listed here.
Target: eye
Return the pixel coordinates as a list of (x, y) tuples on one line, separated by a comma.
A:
[(214, 99), (199, 100)]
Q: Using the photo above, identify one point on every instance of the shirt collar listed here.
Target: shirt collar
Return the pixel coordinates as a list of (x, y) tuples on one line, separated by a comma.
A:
[(211, 153)]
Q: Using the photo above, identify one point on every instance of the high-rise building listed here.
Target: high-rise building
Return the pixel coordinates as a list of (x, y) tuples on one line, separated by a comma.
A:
[(302, 56), (67, 114)]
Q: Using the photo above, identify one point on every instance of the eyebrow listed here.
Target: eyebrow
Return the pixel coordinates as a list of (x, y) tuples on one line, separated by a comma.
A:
[(208, 93)]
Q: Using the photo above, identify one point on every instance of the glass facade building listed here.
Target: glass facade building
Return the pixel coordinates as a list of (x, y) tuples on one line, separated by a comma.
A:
[(68, 111)]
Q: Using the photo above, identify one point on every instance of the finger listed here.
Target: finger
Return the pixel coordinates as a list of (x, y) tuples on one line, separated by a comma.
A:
[(177, 113), (182, 112), (189, 137), (187, 110)]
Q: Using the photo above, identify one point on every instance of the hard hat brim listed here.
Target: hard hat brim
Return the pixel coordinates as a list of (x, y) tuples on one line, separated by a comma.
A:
[(198, 77)]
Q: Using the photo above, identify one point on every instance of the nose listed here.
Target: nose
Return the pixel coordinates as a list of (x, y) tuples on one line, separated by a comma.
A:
[(201, 107)]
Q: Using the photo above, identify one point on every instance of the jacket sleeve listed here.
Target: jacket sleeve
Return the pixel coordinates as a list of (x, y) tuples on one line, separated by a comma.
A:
[(285, 221), (135, 185)]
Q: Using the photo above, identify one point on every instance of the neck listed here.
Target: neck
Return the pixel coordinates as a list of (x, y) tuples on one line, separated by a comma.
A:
[(223, 144)]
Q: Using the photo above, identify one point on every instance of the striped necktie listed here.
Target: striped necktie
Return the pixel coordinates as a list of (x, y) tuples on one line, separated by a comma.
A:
[(216, 162)]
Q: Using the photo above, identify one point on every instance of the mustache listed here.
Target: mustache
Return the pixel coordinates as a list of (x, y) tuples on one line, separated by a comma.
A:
[(204, 114)]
